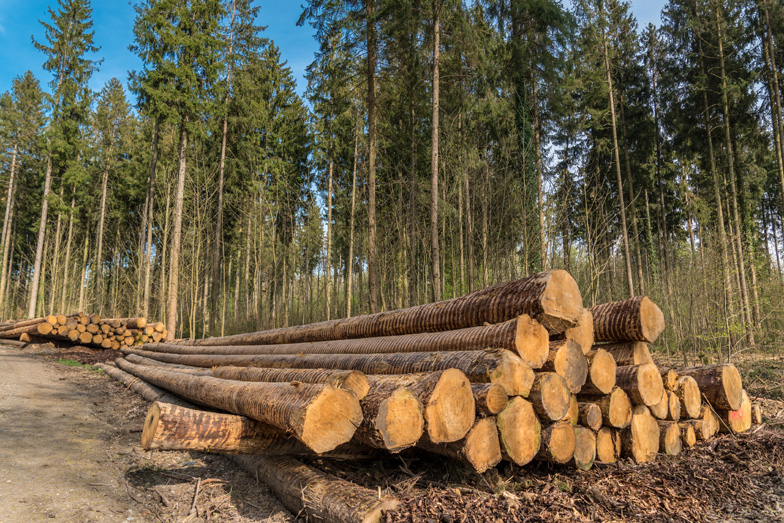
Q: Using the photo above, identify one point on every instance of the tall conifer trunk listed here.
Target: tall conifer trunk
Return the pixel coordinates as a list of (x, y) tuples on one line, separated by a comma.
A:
[(174, 254), (435, 292)]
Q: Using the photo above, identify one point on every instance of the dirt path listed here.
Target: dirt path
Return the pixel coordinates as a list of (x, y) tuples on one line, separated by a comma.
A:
[(69, 452)]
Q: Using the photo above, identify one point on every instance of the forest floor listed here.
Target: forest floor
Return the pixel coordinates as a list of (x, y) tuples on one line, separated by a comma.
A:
[(69, 451)]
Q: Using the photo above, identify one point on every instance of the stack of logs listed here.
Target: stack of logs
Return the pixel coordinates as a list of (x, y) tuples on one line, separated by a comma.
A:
[(86, 330), (519, 372)]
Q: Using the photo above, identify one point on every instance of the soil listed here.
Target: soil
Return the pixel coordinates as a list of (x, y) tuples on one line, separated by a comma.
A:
[(69, 451)]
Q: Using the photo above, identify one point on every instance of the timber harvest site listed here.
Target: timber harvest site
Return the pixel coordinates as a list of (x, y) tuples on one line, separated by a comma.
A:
[(391, 261)]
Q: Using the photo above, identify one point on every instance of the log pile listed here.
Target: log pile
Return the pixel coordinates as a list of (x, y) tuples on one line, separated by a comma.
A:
[(85, 329), (517, 372)]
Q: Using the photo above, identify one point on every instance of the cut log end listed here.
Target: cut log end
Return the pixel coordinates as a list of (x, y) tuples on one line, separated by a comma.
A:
[(670, 438), (674, 407), (490, 398), (558, 443), (590, 415), (643, 383), (512, 374), (532, 341), (641, 438), (737, 421), (688, 393), (651, 319), (566, 359), (550, 396), (482, 448), (601, 372), (584, 448), (608, 445), (582, 333), (573, 414), (561, 302), (520, 431), (688, 436), (450, 409), (150, 425), (330, 420), (721, 384), (353, 381), (400, 420)]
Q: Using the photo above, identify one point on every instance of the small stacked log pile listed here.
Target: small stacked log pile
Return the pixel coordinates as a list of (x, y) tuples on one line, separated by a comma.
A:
[(518, 372), (85, 329)]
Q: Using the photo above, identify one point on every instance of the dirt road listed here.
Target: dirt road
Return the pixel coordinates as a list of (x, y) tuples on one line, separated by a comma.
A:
[(69, 452)]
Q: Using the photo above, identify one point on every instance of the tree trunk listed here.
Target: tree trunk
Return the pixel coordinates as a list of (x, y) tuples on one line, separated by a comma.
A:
[(720, 384), (39, 249), (353, 381), (435, 290), (628, 352), (632, 204), (174, 254), (67, 265), (624, 230), (350, 262), (7, 220), (99, 243), (372, 146)]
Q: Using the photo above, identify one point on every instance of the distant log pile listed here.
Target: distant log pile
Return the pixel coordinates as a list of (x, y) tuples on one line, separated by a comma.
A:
[(518, 372), (85, 329)]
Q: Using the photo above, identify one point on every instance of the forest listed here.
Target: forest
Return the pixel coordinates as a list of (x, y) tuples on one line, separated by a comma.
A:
[(441, 146)]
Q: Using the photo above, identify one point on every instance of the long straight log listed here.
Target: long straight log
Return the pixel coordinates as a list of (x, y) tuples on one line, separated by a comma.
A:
[(601, 372), (172, 427), (524, 336), (488, 366), (320, 416), (18, 331), (142, 388), (520, 431), (140, 360), (552, 298), (642, 383), (615, 407), (481, 447), (628, 352), (323, 497), (566, 359), (634, 319), (447, 401), (721, 384), (19, 324)]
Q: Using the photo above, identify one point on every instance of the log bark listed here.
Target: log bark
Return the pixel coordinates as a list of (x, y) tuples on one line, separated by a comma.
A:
[(688, 394), (323, 497), (634, 319), (550, 396), (558, 443), (590, 415), (640, 441), (616, 407), (628, 352), (670, 438), (584, 448), (490, 398), (488, 366), (551, 297), (172, 427), (608, 445), (447, 401), (320, 416), (736, 421), (720, 384), (566, 359), (601, 372), (140, 360), (519, 431), (353, 381), (642, 383), (522, 335), (582, 333), (481, 447)]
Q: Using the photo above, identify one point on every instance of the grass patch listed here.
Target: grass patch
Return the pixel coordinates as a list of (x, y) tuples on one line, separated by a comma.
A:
[(74, 363)]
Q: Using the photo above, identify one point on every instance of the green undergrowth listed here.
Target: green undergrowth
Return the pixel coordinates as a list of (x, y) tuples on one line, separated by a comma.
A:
[(74, 363)]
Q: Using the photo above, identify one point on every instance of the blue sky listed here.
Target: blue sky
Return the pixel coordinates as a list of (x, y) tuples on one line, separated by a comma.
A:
[(113, 21)]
